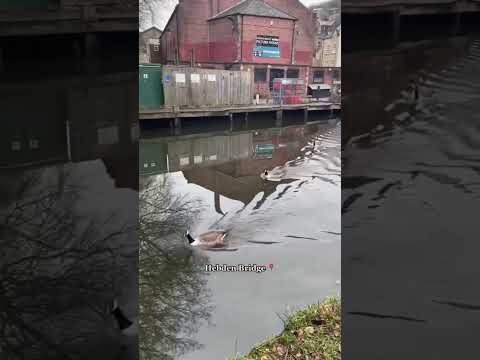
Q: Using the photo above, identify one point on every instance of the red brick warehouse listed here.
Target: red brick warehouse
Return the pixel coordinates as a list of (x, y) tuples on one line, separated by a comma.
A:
[(272, 38)]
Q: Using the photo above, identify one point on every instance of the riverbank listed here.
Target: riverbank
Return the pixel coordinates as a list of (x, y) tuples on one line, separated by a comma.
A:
[(313, 333)]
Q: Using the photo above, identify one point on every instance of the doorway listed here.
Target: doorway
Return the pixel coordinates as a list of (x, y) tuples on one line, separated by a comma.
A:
[(276, 74)]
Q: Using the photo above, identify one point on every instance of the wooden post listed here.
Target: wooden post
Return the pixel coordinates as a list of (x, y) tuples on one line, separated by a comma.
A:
[(231, 121), (396, 27), (279, 118), (305, 115), (69, 144), (90, 44), (457, 22), (178, 126), (246, 120)]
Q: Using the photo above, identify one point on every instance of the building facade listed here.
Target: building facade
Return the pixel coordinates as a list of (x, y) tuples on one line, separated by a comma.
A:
[(149, 46), (326, 63), (271, 38)]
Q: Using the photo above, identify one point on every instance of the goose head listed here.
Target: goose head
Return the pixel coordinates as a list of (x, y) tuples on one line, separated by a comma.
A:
[(124, 323), (189, 237)]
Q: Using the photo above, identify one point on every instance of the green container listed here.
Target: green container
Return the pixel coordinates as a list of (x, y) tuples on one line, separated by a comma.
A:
[(264, 151), (153, 158), (23, 141), (150, 86)]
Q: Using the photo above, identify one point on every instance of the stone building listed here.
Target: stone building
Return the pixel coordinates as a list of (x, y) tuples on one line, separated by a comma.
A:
[(149, 46)]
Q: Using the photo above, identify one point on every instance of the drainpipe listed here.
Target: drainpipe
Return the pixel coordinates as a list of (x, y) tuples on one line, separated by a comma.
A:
[(292, 57), (241, 40), (178, 38)]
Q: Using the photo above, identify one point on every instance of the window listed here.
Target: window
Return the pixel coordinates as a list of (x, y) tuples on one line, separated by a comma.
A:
[(318, 76), (155, 47), (292, 73), (260, 75)]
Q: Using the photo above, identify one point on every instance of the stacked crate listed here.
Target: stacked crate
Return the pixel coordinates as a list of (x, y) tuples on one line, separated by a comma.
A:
[(288, 91)]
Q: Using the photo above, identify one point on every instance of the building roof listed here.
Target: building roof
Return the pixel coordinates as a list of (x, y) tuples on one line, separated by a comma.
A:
[(154, 28), (253, 8)]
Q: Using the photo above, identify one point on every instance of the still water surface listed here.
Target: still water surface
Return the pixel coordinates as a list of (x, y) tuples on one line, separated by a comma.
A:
[(298, 209)]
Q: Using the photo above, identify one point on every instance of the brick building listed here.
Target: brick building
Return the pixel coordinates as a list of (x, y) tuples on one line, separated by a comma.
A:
[(272, 38)]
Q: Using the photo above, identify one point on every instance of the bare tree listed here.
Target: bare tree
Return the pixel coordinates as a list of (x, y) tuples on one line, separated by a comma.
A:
[(146, 11), (57, 271), (173, 296)]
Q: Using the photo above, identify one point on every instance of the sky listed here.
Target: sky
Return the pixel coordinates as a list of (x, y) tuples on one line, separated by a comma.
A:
[(165, 9)]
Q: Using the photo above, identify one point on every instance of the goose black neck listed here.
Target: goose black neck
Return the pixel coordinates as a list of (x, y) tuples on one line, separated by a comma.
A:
[(122, 320), (190, 238)]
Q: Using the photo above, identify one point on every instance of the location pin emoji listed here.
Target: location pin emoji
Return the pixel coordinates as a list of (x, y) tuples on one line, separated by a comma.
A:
[(270, 266)]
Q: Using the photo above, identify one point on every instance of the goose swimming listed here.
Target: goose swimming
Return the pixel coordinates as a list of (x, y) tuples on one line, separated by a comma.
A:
[(273, 176), (210, 239)]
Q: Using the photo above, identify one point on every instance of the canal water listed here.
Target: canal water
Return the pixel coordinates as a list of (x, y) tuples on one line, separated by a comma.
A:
[(69, 247), (290, 220), (410, 172)]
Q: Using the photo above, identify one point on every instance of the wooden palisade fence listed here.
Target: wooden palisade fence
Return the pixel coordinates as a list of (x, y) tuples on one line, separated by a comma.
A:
[(189, 87)]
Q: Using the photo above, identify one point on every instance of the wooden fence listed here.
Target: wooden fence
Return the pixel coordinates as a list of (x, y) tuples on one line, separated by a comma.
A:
[(188, 87)]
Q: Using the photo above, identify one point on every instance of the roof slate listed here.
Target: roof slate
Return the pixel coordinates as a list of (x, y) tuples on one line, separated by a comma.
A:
[(253, 8)]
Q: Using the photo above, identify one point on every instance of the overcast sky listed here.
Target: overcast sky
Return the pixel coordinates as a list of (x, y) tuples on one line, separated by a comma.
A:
[(165, 8)]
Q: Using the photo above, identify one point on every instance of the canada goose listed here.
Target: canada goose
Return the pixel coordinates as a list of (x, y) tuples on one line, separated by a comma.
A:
[(210, 239), (126, 326), (273, 176)]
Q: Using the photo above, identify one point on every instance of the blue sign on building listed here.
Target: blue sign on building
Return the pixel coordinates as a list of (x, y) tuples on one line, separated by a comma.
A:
[(267, 47)]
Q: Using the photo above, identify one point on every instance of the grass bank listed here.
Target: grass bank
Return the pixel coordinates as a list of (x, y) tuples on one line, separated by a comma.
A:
[(310, 334)]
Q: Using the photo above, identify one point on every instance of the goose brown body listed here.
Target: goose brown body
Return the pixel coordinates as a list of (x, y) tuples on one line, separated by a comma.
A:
[(209, 239)]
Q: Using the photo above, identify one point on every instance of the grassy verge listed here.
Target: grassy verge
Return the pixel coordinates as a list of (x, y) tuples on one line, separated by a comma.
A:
[(310, 334)]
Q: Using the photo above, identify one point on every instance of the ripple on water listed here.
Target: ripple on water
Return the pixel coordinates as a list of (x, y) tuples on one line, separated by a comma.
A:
[(411, 232)]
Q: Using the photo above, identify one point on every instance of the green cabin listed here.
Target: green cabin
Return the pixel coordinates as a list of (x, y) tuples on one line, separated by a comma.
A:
[(150, 86), (153, 157)]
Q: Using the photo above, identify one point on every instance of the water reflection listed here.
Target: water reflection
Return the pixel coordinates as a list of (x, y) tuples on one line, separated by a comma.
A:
[(173, 297), (398, 166), (269, 221), (61, 267)]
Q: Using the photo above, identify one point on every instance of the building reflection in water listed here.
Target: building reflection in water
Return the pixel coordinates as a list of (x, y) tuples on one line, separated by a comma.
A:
[(173, 286), (69, 199), (228, 164)]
